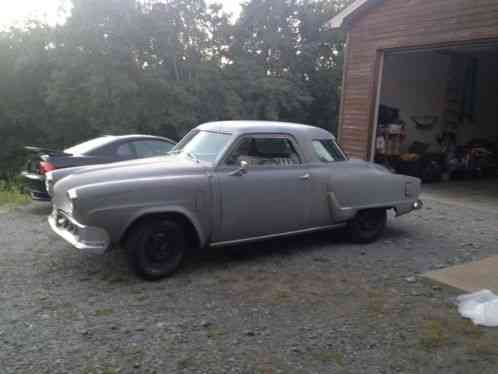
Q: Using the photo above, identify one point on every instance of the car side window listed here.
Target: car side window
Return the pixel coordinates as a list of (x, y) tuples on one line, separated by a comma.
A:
[(151, 148), (327, 151), (125, 150), (262, 151)]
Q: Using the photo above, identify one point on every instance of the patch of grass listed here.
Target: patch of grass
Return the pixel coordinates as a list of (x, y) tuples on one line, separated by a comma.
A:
[(467, 328), (106, 370), (110, 371), (376, 303), (186, 362), (141, 298), (484, 349), (330, 356), (281, 296), (103, 312), (214, 332), (433, 335), (12, 195), (264, 370)]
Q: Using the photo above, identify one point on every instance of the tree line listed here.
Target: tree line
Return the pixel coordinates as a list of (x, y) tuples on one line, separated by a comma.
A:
[(162, 67)]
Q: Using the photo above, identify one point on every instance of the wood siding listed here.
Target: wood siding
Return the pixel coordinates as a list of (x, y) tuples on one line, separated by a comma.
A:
[(401, 24)]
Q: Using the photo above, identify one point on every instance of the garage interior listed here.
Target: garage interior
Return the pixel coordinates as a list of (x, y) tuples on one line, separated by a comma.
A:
[(437, 119)]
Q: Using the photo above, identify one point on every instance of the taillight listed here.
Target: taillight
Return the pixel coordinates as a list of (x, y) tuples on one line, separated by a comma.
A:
[(45, 167)]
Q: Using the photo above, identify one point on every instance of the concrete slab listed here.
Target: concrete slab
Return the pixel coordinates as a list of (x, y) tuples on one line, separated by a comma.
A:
[(481, 194), (470, 277)]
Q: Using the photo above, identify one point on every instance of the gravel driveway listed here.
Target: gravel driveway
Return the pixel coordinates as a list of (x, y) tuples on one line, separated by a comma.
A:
[(311, 304)]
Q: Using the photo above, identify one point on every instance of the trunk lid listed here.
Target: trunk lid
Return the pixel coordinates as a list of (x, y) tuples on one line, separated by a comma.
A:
[(38, 155)]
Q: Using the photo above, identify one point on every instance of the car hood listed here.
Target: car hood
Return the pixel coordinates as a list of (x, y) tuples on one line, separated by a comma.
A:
[(127, 170)]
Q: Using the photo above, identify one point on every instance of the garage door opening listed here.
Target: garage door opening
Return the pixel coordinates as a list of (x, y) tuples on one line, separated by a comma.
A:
[(438, 116)]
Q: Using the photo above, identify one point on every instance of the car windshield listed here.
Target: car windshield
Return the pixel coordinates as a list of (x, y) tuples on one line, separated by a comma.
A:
[(88, 146), (202, 145)]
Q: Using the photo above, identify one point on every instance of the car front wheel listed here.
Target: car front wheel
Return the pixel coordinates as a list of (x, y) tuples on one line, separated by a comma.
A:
[(368, 225), (156, 248)]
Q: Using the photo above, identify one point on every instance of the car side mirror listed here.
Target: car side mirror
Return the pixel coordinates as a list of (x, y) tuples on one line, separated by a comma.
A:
[(241, 170)]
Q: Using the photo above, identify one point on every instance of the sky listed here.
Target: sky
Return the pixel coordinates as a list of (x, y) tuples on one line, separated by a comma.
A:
[(15, 12)]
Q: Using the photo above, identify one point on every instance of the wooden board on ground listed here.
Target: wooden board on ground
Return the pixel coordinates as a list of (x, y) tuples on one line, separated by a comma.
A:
[(470, 277)]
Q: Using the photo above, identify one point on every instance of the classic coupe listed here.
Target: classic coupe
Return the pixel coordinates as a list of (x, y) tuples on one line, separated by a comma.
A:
[(225, 183), (101, 150)]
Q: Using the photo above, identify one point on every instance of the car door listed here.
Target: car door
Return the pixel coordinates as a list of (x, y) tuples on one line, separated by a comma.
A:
[(270, 195)]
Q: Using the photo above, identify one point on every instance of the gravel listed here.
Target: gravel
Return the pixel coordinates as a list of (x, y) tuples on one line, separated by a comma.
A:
[(309, 304)]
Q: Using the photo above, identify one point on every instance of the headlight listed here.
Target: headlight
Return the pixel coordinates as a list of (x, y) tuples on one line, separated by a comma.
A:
[(72, 194), (49, 183), (69, 207)]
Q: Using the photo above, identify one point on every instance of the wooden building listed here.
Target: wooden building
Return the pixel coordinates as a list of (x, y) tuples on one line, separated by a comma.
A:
[(417, 56)]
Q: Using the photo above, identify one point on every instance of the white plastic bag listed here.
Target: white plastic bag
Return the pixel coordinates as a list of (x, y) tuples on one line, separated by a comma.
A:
[(481, 307)]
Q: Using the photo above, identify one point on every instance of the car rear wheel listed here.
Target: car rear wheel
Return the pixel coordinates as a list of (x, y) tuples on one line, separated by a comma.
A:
[(156, 248), (368, 225)]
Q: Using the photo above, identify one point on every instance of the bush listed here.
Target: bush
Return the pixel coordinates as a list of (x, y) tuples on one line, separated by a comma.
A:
[(11, 192)]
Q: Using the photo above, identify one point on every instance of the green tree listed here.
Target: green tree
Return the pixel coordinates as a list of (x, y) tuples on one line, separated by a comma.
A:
[(162, 67)]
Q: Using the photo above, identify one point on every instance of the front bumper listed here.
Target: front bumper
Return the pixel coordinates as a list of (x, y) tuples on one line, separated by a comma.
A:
[(35, 184), (87, 239)]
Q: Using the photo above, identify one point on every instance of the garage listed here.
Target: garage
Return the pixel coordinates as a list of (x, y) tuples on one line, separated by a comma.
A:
[(420, 93), (438, 118)]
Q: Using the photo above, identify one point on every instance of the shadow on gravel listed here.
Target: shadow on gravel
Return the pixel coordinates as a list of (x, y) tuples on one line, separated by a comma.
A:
[(222, 257), (112, 267), (37, 208), (395, 233)]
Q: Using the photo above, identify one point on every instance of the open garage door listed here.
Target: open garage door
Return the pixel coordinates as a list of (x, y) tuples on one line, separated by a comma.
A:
[(438, 119)]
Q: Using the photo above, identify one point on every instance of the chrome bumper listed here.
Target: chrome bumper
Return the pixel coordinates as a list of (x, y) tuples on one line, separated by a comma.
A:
[(85, 238), (408, 207)]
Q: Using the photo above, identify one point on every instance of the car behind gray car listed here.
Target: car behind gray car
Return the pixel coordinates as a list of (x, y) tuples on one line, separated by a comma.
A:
[(226, 183), (101, 150)]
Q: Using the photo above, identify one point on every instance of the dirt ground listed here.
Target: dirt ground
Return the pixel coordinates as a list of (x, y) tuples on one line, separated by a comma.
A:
[(309, 304)]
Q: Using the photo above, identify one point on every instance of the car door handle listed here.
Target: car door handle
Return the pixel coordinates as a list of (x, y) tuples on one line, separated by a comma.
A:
[(305, 176)]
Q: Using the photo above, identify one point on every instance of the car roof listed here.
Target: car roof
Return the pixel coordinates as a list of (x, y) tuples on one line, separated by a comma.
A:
[(242, 127), (97, 143), (137, 136)]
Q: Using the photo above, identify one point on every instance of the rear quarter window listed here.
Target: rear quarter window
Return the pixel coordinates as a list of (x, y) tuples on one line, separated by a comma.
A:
[(326, 150)]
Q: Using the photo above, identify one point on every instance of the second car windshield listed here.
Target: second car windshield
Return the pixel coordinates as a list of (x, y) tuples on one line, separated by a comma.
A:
[(203, 145)]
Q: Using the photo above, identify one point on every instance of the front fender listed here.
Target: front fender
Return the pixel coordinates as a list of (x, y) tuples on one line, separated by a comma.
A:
[(116, 205), (191, 216)]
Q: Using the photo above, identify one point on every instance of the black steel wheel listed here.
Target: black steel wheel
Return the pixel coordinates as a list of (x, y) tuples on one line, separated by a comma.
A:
[(156, 248), (368, 225)]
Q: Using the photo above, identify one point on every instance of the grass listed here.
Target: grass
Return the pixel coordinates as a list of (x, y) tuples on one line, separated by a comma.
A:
[(376, 303), (12, 196), (186, 362), (214, 332), (106, 370), (434, 335), (330, 356), (441, 332), (103, 312)]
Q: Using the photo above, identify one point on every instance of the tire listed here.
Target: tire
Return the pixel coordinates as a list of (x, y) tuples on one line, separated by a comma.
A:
[(156, 248), (368, 225)]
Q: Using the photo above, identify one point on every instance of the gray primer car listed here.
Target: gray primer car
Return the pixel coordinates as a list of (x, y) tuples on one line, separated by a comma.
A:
[(226, 183)]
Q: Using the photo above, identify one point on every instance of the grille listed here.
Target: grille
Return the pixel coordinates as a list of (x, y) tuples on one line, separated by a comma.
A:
[(65, 223)]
